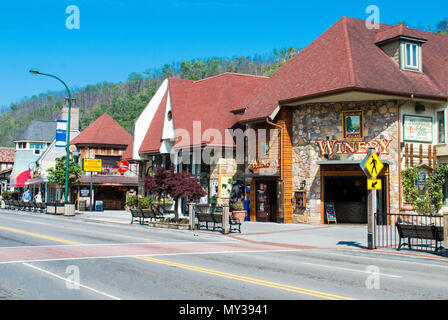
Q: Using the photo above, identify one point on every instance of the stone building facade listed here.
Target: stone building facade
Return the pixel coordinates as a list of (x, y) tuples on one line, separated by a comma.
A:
[(320, 152)]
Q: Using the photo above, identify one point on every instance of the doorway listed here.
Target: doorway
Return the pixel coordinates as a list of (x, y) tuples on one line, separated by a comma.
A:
[(349, 195), (266, 200)]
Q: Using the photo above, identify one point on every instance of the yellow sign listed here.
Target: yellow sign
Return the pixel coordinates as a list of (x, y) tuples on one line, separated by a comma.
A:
[(374, 184), (93, 165), (374, 165)]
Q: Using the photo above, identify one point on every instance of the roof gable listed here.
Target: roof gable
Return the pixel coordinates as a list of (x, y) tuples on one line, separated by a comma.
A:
[(103, 131)]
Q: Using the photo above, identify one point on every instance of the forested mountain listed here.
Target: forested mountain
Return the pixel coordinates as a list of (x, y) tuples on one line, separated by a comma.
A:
[(124, 101)]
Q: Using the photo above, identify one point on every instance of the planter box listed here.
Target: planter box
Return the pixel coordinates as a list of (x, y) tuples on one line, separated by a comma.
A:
[(169, 225), (69, 209), (55, 208)]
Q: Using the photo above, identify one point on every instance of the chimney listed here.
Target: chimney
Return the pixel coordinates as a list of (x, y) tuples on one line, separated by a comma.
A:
[(74, 117)]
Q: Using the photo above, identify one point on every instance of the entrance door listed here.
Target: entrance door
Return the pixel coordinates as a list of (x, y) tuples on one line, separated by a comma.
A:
[(266, 200)]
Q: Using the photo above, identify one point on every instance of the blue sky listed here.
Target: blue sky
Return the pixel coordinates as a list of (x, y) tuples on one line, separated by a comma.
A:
[(116, 38)]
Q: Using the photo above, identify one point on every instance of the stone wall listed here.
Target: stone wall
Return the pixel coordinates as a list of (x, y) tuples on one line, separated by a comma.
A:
[(314, 122)]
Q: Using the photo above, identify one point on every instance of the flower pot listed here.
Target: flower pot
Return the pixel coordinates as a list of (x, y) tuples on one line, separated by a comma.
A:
[(239, 215), (407, 207)]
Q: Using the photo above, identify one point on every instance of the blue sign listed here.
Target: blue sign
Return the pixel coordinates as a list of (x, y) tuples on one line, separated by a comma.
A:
[(61, 133)]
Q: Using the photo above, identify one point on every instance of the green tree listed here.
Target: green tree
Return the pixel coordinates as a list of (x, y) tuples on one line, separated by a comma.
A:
[(57, 174)]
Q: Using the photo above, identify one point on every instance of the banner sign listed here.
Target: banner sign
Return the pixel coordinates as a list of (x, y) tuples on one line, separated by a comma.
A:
[(61, 133), (417, 128)]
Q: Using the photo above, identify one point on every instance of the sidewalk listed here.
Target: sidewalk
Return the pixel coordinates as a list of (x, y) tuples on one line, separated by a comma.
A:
[(341, 237), (322, 236)]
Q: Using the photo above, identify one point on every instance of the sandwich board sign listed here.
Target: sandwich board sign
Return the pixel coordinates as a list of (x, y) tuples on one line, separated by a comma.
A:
[(331, 212)]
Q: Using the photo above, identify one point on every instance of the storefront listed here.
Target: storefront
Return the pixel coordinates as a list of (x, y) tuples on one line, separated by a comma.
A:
[(326, 162)]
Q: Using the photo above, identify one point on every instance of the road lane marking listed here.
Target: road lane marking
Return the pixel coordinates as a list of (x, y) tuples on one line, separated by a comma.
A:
[(348, 269), (70, 281), (248, 279), (39, 235)]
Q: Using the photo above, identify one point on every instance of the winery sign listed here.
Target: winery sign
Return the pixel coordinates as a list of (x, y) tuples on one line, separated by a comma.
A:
[(331, 147)]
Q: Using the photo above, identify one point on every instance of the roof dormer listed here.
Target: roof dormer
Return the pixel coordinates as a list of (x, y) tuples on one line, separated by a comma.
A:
[(403, 46)]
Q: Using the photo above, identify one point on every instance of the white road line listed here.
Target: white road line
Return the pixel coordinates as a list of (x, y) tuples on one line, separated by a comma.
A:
[(347, 269), (70, 281), (148, 255)]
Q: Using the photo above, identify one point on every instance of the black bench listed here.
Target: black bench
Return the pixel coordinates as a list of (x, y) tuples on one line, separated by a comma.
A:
[(411, 231), (152, 215), (41, 206), (136, 214), (234, 222)]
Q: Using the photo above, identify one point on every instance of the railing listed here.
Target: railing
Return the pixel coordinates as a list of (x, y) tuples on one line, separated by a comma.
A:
[(387, 236)]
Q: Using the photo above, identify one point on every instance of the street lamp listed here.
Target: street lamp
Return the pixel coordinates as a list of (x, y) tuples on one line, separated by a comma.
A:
[(35, 71)]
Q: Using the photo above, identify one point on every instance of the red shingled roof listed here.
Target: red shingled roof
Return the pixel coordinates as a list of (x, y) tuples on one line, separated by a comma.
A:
[(7, 155), (346, 57), (103, 131), (208, 101)]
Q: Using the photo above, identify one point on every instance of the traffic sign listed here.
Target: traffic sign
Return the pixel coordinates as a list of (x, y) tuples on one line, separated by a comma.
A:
[(374, 184), (123, 166), (372, 165)]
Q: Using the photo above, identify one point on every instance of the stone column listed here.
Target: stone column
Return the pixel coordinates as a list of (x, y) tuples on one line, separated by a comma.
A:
[(225, 218), (191, 215)]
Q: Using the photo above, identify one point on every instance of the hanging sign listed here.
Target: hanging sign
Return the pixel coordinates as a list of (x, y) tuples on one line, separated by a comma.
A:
[(61, 133), (123, 166)]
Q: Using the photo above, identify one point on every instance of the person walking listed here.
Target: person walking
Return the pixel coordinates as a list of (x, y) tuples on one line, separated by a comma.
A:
[(38, 197)]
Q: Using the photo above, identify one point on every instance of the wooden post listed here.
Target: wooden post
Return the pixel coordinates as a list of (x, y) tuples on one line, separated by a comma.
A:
[(412, 155), (191, 215), (225, 219), (429, 156), (420, 154), (434, 154), (406, 156)]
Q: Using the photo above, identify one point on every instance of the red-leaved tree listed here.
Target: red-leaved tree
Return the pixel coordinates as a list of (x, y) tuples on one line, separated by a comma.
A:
[(175, 184)]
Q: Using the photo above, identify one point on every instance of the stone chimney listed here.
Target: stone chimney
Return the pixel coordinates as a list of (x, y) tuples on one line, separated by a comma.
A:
[(74, 117)]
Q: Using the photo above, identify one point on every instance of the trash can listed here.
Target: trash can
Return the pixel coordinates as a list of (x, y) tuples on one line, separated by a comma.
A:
[(99, 205)]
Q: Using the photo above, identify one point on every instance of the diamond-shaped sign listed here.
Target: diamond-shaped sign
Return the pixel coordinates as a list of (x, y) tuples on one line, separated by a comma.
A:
[(372, 164)]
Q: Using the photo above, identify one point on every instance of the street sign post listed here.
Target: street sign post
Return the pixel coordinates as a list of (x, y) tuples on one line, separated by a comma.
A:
[(372, 166), (92, 165)]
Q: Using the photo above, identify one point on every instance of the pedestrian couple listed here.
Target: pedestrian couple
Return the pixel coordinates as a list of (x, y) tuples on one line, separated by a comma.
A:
[(27, 197)]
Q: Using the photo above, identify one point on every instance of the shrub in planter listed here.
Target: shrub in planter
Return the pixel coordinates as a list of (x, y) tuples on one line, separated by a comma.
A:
[(238, 211)]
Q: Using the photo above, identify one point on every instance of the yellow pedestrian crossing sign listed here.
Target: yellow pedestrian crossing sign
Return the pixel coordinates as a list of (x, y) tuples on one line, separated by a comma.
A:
[(372, 164), (374, 184)]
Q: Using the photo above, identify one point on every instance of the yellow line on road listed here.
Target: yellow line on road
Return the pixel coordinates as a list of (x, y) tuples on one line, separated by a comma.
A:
[(38, 235), (248, 279), (275, 285)]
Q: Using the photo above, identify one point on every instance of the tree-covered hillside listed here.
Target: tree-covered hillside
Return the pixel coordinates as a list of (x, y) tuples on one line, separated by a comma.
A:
[(124, 101)]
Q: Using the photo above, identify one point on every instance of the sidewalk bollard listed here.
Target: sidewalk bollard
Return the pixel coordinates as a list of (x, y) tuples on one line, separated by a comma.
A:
[(225, 219), (191, 215)]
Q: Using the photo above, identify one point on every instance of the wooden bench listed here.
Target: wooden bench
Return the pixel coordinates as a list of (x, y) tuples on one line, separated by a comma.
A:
[(215, 221), (423, 232)]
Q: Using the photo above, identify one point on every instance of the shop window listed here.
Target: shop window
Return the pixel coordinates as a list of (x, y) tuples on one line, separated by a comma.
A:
[(441, 126)]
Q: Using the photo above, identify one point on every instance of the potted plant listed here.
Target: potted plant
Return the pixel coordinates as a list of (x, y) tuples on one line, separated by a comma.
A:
[(238, 211)]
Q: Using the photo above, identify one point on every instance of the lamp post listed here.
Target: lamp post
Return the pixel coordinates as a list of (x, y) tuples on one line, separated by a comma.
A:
[(67, 162)]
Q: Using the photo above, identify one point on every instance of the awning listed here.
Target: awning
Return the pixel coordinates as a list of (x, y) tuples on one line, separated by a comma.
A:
[(19, 179), (36, 181)]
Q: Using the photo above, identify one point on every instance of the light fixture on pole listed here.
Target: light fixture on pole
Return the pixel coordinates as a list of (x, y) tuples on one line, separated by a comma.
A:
[(67, 155)]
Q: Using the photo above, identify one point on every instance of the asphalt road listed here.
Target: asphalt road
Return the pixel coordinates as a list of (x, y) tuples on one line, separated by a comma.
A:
[(56, 257)]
